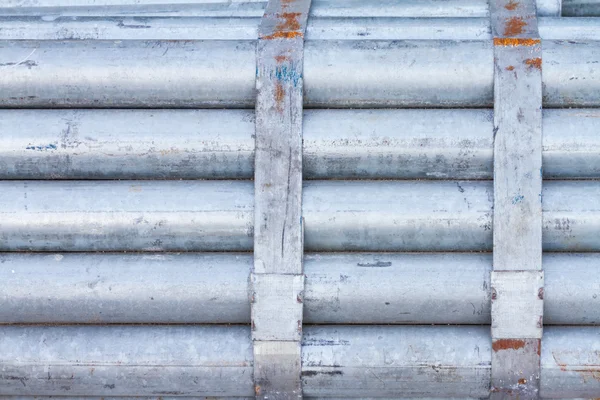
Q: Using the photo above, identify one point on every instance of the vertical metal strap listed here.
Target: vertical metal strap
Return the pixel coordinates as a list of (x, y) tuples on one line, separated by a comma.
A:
[(278, 276), (517, 278)]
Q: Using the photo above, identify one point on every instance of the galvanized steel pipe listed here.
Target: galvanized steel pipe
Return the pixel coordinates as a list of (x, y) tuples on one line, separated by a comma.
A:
[(251, 8), (328, 28), (194, 74), (341, 288), (348, 361), (339, 216), (337, 144)]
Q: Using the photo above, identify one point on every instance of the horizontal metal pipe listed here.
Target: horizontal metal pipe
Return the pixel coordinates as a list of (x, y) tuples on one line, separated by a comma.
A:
[(381, 288), (581, 8), (219, 28), (190, 74), (338, 144), (339, 215), (347, 361), (251, 8)]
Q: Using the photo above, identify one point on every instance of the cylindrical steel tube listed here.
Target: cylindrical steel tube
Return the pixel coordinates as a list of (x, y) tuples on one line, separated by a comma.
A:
[(189, 74), (251, 8), (338, 144), (348, 361), (126, 361), (219, 28), (339, 216), (126, 215), (581, 8), (344, 288)]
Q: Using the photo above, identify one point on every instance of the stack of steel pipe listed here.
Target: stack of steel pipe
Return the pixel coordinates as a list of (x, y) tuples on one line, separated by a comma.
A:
[(127, 144)]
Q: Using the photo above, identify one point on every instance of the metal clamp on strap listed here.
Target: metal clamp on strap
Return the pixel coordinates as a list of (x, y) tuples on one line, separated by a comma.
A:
[(517, 279), (277, 278)]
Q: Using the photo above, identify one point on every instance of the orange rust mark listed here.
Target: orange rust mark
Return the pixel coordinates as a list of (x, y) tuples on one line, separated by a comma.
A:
[(514, 26), (288, 29), (505, 344), (282, 59), (510, 68), (257, 390), (522, 381), (508, 42), (537, 64), (512, 5), (279, 96)]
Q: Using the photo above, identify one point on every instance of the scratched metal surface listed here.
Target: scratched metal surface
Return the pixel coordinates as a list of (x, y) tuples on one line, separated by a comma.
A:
[(581, 8), (243, 28), (341, 288), (336, 361), (189, 74), (219, 144), (325, 8), (339, 216)]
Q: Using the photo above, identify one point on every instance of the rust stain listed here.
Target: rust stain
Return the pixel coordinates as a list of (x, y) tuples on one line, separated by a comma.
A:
[(539, 347), (514, 26), (279, 96), (510, 68), (522, 381), (257, 390), (289, 28), (513, 42), (512, 5), (537, 64), (282, 59), (506, 344)]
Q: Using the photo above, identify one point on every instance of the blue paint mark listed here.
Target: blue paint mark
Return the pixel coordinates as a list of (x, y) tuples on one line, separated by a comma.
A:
[(50, 146), (518, 199), (287, 74)]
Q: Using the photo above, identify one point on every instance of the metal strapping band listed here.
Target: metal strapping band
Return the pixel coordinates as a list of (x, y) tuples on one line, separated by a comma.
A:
[(278, 276), (517, 278)]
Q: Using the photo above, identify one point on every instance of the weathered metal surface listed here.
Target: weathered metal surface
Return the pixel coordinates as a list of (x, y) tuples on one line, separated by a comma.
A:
[(382, 73), (126, 215), (250, 8), (570, 363), (338, 144), (349, 361), (124, 288), (517, 304), (126, 360), (386, 361), (581, 8), (343, 288), (241, 28), (278, 275), (338, 216), (517, 280)]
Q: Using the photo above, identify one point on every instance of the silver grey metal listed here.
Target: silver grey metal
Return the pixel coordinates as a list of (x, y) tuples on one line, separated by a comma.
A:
[(341, 288), (124, 288), (242, 28), (126, 361), (126, 215), (338, 144), (325, 8), (349, 361), (383, 73), (517, 280), (581, 8), (338, 216), (278, 275)]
